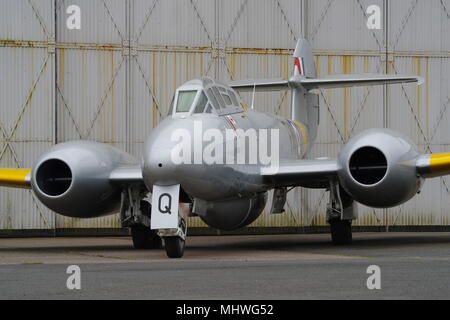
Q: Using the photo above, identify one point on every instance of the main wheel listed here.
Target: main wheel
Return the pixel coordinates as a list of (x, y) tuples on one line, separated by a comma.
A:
[(341, 231), (145, 238), (174, 246)]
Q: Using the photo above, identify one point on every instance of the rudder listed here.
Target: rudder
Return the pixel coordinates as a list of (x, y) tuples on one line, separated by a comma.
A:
[(305, 105)]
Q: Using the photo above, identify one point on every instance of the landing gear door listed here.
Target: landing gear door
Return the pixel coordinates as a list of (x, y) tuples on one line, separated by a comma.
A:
[(165, 207)]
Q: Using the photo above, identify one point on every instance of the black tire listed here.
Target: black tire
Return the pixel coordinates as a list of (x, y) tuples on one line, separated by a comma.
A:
[(341, 231), (174, 246), (145, 238), (146, 208)]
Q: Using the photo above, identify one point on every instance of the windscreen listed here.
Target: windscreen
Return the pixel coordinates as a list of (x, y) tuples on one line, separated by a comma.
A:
[(201, 103), (185, 100), (171, 106)]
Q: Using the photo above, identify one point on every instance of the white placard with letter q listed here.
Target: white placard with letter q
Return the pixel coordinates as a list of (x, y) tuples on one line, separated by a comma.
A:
[(165, 207)]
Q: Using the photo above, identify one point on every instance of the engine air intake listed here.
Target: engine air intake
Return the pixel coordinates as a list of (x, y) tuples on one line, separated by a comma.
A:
[(368, 165), (54, 177)]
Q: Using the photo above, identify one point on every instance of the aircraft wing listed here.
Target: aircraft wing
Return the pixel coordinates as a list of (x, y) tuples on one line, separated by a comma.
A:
[(16, 178), (21, 178), (127, 175), (307, 173), (317, 173), (433, 165), (329, 82)]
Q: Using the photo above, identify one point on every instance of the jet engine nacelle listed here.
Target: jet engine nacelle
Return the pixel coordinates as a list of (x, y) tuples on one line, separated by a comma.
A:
[(72, 178), (378, 168)]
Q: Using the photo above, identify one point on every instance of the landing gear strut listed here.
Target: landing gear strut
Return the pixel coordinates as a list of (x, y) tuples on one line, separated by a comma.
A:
[(135, 213), (341, 210)]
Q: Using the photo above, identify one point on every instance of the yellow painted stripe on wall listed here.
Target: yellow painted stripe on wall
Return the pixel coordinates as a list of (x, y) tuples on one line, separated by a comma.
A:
[(19, 178), (440, 163)]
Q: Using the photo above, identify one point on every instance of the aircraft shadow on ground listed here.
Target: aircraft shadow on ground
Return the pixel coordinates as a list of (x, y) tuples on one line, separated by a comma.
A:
[(243, 243)]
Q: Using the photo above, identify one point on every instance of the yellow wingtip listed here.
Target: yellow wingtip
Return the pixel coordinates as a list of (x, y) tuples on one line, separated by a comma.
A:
[(13, 177), (440, 164)]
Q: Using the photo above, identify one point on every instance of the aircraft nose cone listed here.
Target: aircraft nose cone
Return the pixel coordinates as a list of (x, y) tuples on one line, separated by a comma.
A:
[(159, 167), (173, 155)]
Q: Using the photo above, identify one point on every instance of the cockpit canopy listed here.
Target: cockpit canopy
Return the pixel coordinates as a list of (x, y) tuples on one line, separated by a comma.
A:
[(204, 95)]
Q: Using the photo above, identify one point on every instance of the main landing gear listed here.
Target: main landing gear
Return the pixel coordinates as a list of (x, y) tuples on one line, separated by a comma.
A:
[(135, 214), (341, 210), (341, 231), (145, 238)]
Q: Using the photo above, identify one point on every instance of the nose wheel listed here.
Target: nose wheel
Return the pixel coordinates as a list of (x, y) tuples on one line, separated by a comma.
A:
[(175, 244)]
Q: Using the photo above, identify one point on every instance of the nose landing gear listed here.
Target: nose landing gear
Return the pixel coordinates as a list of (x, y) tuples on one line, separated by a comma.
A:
[(175, 240), (174, 247), (167, 218)]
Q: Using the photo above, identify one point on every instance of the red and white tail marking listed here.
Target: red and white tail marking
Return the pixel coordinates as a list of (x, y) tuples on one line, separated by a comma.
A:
[(299, 66)]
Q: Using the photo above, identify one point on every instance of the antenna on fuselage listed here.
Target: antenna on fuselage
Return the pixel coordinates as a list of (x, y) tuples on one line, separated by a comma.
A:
[(253, 98)]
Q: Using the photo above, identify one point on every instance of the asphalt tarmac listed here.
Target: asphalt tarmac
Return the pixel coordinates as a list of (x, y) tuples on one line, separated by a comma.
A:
[(304, 266)]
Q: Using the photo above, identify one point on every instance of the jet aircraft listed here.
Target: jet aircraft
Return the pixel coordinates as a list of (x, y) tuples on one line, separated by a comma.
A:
[(173, 180)]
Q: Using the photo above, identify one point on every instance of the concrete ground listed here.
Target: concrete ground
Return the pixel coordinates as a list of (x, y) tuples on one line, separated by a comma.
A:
[(303, 266)]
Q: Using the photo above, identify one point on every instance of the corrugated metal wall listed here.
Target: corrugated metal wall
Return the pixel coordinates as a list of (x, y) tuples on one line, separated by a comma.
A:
[(27, 69), (112, 81)]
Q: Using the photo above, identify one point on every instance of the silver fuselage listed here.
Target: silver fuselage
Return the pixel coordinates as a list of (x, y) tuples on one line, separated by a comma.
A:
[(229, 189)]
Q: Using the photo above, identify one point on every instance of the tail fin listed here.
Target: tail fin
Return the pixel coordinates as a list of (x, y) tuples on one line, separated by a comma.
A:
[(305, 105), (304, 64)]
